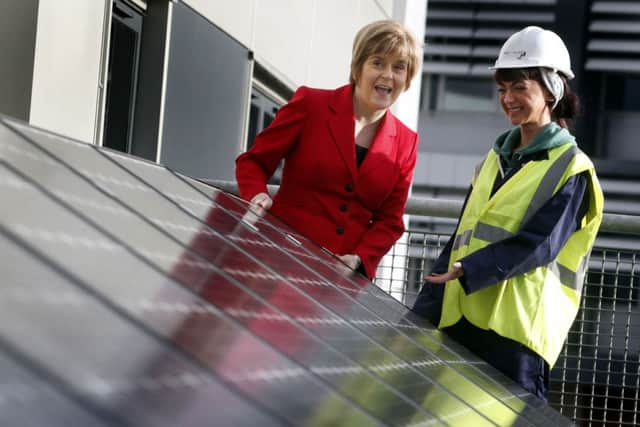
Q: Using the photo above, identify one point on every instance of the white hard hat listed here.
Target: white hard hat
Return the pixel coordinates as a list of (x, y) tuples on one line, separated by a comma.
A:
[(535, 47)]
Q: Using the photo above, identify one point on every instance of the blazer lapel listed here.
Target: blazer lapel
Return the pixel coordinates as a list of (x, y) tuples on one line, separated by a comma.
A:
[(342, 127), (383, 147)]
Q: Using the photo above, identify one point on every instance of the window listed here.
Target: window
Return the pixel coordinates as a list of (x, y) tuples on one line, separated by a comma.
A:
[(122, 77), (622, 92), (267, 95), (263, 110), (452, 93), (465, 94)]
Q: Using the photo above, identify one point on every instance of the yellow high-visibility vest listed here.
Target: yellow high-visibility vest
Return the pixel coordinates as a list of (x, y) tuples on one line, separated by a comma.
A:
[(537, 308)]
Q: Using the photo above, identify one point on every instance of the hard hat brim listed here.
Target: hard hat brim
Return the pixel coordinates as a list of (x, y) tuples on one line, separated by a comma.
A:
[(567, 73)]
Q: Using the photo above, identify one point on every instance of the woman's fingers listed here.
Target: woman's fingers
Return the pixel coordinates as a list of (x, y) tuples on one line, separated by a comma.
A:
[(262, 200), (455, 272)]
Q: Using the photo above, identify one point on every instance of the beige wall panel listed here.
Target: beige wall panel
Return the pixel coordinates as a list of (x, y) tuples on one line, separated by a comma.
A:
[(369, 11), (386, 6), (300, 41), (282, 36), (413, 13), (66, 66), (335, 27)]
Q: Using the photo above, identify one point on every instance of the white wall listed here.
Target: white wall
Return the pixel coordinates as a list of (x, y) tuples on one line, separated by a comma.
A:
[(66, 66), (301, 41), (413, 13)]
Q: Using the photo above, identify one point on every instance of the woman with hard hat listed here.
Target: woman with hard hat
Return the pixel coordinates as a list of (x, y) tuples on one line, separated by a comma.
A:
[(508, 283)]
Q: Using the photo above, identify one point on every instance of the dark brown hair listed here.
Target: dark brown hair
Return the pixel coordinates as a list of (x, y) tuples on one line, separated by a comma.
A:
[(567, 109)]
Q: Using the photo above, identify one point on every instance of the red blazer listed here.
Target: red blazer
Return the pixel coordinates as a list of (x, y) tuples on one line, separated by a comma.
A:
[(323, 194)]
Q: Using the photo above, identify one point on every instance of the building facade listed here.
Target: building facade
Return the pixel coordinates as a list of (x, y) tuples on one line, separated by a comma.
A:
[(459, 112), (186, 83), (460, 118)]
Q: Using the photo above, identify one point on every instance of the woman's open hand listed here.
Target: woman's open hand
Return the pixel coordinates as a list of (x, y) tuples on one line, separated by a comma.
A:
[(455, 272)]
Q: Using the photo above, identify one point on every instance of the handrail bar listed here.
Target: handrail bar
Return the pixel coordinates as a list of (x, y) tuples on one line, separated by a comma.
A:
[(429, 206)]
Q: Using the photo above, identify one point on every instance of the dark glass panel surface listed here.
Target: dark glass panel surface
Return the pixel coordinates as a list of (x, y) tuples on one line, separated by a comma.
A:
[(26, 399), (189, 274), (92, 351), (139, 268)]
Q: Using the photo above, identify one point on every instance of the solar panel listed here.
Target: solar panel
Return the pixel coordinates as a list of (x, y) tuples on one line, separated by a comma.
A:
[(133, 295)]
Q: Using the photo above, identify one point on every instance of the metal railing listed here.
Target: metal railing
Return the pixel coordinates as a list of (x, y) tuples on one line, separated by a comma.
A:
[(425, 206), (596, 380)]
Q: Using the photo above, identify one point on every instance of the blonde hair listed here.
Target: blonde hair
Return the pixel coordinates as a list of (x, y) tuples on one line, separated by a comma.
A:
[(386, 37)]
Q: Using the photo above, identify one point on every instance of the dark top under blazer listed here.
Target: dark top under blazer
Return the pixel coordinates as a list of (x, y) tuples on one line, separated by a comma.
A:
[(323, 195)]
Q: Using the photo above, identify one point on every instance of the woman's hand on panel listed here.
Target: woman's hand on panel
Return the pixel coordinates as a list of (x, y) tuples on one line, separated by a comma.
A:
[(261, 203), (351, 260)]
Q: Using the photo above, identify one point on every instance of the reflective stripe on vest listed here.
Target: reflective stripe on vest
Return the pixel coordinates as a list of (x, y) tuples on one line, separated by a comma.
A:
[(462, 239), (549, 182), (544, 192), (490, 233)]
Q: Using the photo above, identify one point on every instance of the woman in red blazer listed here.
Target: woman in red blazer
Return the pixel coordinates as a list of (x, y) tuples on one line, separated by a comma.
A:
[(348, 160)]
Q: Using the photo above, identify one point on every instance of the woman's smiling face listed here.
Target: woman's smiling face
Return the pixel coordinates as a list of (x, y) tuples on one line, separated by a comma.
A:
[(380, 81), (524, 102)]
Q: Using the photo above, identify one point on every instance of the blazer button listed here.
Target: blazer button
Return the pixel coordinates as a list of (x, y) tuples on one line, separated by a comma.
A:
[(344, 207), (348, 188), (339, 230)]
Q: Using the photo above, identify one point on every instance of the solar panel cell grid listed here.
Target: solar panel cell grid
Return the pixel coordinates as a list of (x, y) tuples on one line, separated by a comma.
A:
[(153, 299)]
